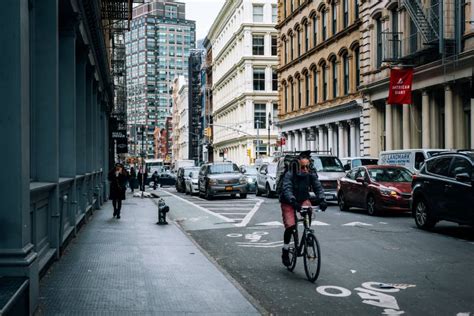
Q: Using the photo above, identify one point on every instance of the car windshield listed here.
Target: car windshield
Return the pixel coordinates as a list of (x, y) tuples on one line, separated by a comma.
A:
[(327, 164), (367, 162), (223, 168), (433, 153), (390, 175), (250, 170), (194, 171), (272, 169)]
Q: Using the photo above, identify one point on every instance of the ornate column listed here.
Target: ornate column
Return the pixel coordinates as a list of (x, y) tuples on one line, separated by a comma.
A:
[(304, 145), (290, 144), (330, 138), (340, 139), (353, 140), (388, 127), (312, 130), (448, 117), (321, 138), (425, 119), (406, 126)]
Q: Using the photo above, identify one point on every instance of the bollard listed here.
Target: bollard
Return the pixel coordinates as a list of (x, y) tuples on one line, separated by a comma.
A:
[(162, 210)]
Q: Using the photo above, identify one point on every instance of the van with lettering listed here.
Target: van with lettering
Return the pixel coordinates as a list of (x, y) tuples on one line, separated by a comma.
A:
[(412, 159)]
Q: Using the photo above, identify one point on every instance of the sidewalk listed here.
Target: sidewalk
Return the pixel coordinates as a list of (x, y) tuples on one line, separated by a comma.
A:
[(133, 266)]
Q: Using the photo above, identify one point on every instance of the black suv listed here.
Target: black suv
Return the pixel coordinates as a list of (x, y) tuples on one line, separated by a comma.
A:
[(444, 190), (221, 178)]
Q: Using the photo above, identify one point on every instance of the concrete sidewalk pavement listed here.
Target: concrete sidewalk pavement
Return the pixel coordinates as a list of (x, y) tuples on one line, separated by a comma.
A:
[(133, 266)]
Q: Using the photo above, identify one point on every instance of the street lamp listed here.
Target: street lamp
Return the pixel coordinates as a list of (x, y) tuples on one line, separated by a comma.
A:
[(269, 124)]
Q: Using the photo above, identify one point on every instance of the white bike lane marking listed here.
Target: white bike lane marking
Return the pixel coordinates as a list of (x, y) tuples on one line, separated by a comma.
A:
[(371, 293)]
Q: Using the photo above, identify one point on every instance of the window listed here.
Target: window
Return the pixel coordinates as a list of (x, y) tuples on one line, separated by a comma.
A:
[(286, 51), (299, 93), (274, 14), (324, 23), (284, 8), (258, 13), (357, 69), (345, 8), (306, 83), (345, 61), (395, 45), (260, 115), (315, 30), (356, 9), (298, 33), (306, 37), (335, 89), (292, 90), (274, 80), (334, 18), (274, 45), (258, 45), (259, 79), (315, 85), (325, 82), (379, 42), (460, 165), (291, 47), (286, 98), (439, 166), (171, 11)]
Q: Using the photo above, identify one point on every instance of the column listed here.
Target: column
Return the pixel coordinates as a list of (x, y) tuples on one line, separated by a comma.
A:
[(290, 145), (388, 127), (304, 145), (425, 119), (321, 138), (17, 256), (330, 138), (340, 139), (312, 143), (297, 140), (406, 126), (448, 118), (346, 142), (353, 140)]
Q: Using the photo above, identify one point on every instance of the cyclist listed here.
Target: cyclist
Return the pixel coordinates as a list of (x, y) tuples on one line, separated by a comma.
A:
[(297, 182)]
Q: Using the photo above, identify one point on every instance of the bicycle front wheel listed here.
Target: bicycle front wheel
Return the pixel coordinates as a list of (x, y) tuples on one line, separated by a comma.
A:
[(312, 257), (293, 251)]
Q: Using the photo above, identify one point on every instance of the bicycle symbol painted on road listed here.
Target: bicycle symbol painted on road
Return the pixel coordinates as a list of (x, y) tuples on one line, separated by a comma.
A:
[(254, 240)]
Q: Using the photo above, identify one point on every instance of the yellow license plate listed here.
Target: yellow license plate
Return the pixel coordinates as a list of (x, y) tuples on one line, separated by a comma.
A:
[(228, 188)]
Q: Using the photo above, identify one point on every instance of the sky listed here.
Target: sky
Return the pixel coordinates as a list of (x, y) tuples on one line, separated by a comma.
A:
[(203, 12)]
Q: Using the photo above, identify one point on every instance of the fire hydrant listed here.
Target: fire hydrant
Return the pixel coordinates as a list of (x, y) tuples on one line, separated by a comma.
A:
[(162, 210)]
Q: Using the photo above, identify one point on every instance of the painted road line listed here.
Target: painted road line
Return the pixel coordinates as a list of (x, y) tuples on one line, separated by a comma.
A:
[(249, 216), (275, 223), (357, 224), (233, 213), (203, 209)]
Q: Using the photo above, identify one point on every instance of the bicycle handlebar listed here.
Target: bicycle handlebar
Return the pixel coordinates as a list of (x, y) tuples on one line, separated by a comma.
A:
[(315, 209)]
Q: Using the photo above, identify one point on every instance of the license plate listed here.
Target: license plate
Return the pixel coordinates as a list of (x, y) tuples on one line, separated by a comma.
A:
[(329, 196), (229, 188)]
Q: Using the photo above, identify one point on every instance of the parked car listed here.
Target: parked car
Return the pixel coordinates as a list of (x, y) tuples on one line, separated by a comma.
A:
[(191, 177), (376, 189), (412, 159), (180, 175), (444, 190), (329, 169), (250, 173), (221, 178), (350, 163), (266, 179)]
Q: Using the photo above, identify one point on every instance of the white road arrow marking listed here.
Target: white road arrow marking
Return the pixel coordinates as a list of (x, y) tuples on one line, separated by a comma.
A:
[(317, 223), (357, 224), (275, 223)]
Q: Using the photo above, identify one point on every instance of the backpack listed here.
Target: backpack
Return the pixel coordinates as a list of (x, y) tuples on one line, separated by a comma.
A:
[(289, 162)]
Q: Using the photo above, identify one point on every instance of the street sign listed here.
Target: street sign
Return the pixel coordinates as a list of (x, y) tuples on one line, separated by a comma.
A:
[(119, 135)]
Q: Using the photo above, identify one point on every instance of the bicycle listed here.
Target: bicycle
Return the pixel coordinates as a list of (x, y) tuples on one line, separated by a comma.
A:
[(307, 247)]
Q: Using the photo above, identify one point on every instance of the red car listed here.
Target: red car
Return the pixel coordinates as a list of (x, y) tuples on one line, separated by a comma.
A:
[(376, 188)]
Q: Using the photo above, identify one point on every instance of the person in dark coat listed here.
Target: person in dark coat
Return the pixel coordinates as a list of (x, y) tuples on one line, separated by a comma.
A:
[(133, 179), (155, 177), (118, 184), (297, 183)]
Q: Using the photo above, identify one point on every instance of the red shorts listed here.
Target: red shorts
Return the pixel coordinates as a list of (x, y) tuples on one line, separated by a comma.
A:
[(288, 213)]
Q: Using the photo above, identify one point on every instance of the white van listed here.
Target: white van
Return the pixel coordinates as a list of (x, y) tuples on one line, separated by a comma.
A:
[(412, 159)]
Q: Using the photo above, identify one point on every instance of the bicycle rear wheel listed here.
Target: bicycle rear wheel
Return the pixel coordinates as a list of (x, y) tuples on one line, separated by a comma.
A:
[(293, 251), (312, 257)]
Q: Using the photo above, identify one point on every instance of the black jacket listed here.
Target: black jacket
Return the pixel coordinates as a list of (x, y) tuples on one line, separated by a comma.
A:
[(297, 187), (117, 185)]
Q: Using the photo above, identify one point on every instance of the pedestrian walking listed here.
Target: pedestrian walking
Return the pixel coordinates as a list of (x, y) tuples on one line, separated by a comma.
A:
[(133, 179), (155, 178), (118, 181), (142, 176)]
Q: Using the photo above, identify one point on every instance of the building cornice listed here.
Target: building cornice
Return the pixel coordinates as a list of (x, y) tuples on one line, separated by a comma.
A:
[(222, 17)]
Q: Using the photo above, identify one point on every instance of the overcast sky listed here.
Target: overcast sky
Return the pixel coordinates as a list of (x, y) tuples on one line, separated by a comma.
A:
[(203, 12)]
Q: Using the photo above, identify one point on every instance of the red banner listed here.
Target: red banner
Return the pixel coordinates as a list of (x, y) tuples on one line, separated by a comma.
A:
[(400, 86)]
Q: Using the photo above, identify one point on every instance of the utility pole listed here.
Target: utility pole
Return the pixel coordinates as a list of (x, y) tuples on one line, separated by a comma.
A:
[(258, 139), (269, 123)]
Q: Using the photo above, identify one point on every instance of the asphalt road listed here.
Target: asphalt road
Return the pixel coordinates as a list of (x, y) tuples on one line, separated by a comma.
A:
[(370, 265)]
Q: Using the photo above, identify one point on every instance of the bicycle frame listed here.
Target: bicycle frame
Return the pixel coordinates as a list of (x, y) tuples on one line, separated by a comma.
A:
[(306, 217)]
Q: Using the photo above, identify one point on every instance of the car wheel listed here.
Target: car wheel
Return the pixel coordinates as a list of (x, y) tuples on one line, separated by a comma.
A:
[(342, 202), (199, 191), (371, 209), (257, 191), (269, 191), (208, 194), (423, 217), (243, 195), (233, 195), (186, 190)]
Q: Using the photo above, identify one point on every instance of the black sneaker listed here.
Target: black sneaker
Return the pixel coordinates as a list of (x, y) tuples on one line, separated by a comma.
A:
[(285, 258)]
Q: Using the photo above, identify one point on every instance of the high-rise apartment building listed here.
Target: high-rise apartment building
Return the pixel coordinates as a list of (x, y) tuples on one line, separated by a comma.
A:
[(157, 47)]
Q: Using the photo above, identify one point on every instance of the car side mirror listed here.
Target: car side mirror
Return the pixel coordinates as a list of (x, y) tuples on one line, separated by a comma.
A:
[(360, 179), (463, 177), (347, 167)]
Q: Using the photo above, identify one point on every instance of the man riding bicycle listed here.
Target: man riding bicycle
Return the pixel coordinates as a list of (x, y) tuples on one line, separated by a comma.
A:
[(295, 193)]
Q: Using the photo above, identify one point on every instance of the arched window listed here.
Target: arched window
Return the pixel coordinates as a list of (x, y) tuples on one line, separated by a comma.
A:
[(298, 34), (334, 17), (306, 83), (315, 85), (345, 70), (378, 30), (345, 10), (298, 105), (356, 65), (325, 81), (324, 23), (286, 97), (356, 9), (306, 37), (335, 90), (292, 92), (285, 42), (292, 5), (315, 30), (291, 46)]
